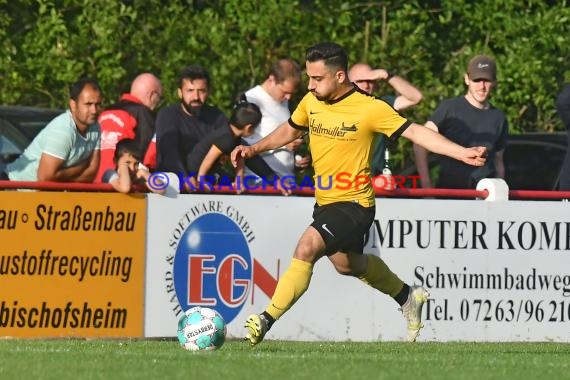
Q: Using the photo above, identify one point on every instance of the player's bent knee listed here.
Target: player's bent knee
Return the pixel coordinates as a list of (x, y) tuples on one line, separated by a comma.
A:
[(344, 270), (306, 252)]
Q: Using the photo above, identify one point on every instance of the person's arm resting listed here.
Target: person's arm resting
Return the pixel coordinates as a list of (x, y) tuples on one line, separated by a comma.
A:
[(51, 169)]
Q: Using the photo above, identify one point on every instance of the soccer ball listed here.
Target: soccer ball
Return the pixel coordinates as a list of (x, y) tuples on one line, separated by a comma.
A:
[(201, 328)]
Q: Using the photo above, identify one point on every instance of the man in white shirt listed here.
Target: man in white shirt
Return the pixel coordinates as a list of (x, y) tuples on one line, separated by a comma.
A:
[(272, 97)]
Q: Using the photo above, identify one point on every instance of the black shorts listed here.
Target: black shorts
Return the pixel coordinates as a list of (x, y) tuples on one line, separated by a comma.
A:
[(343, 226)]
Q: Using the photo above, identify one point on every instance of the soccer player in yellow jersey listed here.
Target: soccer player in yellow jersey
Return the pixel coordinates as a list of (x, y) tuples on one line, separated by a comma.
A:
[(341, 121)]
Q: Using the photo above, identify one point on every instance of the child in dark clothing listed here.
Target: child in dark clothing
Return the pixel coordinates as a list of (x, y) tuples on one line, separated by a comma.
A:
[(204, 162)]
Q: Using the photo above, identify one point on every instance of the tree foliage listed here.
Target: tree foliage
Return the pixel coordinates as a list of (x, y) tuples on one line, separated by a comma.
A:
[(48, 44)]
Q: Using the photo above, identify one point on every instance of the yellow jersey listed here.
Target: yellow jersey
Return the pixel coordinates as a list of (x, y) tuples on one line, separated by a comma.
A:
[(340, 139)]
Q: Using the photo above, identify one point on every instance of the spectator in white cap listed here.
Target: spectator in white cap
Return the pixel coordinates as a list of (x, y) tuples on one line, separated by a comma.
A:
[(468, 120)]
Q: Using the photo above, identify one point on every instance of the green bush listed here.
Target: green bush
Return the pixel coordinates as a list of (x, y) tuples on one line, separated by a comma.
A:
[(47, 44)]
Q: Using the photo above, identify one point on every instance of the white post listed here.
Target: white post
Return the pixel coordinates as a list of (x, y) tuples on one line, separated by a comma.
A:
[(497, 188)]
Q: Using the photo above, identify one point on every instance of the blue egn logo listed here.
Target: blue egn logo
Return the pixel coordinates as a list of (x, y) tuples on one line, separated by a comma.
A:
[(213, 266)]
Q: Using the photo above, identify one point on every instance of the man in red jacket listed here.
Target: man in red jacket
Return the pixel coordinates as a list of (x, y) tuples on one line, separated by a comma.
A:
[(131, 117)]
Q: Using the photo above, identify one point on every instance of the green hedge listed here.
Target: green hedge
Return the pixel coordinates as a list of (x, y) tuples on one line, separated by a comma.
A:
[(46, 45)]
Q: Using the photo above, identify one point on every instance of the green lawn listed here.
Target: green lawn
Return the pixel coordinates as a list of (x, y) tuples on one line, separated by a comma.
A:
[(273, 360)]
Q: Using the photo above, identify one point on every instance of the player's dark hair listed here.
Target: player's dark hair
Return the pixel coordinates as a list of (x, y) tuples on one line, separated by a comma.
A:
[(127, 146), (76, 88), (333, 54), (193, 72), (245, 113)]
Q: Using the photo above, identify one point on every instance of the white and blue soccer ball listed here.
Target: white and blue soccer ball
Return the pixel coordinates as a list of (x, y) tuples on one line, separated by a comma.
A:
[(201, 329)]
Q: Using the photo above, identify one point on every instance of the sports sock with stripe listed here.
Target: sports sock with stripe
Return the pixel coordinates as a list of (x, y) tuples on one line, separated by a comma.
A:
[(380, 277), (290, 287)]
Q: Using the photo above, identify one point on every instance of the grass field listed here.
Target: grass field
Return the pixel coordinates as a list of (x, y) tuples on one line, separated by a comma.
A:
[(274, 360)]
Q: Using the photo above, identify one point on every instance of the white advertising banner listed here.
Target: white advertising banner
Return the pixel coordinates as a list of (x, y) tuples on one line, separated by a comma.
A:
[(496, 271)]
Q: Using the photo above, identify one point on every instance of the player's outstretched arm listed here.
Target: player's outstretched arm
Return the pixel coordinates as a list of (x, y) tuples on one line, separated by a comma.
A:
[(437, 143), (283, 135)]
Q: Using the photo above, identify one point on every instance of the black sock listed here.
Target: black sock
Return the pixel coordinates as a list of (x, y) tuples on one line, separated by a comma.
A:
[(402, 297), (270, 320)]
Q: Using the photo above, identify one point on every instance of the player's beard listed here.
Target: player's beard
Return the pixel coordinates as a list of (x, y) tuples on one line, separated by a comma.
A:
[(324, 98), (321, 97), (192, 109)]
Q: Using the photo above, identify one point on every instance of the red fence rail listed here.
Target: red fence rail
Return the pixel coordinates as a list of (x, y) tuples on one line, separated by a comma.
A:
[(403, 193), (56, 186)]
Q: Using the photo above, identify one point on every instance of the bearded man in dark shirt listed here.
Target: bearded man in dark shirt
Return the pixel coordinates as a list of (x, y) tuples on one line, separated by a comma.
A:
[(180, 126)]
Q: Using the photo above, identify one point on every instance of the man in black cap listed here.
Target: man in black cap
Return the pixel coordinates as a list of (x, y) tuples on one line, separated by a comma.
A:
[(468, 120)]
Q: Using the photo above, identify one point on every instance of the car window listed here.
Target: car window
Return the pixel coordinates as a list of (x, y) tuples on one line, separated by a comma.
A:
[(532, 162), (12, 141), (7, 147), (18, 127), (533, 165)]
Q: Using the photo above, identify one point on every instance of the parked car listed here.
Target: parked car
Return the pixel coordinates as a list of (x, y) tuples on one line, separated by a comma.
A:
[(18, 127), (532, 161)]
